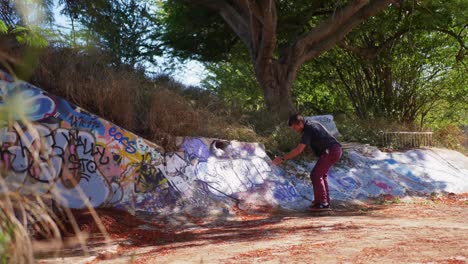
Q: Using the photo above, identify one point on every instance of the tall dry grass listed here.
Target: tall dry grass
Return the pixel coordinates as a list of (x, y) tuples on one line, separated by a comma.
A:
[(158, 109), (88, 81)]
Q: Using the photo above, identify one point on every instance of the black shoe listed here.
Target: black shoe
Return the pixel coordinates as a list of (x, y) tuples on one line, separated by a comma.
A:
[(314, 203), (320, 207)]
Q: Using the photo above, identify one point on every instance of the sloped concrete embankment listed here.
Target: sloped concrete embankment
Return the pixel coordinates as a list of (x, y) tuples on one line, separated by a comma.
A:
[(86, 159), (366, 172)]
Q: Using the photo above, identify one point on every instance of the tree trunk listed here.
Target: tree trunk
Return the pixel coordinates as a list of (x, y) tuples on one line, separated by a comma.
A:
[(276, 85)]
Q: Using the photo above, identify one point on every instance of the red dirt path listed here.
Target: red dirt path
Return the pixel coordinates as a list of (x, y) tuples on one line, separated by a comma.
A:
[(418, 230)]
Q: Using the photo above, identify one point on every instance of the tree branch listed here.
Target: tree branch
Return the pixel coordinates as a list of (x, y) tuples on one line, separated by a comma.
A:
[(336, 34), (330, 25), (268, 35), (237, 22), (371, 52)]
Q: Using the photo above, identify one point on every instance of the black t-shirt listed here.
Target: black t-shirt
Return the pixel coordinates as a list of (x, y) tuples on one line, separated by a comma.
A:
[(317, 137)]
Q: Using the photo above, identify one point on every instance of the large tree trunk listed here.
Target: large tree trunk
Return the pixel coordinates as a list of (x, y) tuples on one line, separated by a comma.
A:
[(276, 82), (277, 94)]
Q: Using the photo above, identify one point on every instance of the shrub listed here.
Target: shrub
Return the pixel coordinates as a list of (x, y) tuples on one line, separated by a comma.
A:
[(450, 136), (366, 131)]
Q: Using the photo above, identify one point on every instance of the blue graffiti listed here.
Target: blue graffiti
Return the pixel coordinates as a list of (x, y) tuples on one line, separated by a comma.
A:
[(348, 183), (6, 77), (38, 104), (284, 191), (77, 119), (130, 146), (195, 148), (390, 161)]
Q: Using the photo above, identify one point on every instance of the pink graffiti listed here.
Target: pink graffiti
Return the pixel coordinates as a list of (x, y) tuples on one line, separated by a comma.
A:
[(382, 186)]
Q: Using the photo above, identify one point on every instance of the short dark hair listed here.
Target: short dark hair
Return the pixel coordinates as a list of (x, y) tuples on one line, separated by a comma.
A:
[(295, 119)]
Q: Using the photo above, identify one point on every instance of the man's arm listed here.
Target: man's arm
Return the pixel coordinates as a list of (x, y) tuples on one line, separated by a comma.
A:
[(293, 153)]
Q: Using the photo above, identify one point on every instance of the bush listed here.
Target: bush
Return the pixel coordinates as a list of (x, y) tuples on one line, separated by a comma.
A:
[(366, 131), (450, 136)]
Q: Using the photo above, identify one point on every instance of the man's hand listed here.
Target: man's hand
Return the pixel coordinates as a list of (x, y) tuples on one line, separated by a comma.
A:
[(278, 160)]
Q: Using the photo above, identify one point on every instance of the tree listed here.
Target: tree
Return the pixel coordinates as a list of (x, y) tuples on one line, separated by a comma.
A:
[(312, 92), (125, 29), (396, 66), (279, 35), (234, 82)]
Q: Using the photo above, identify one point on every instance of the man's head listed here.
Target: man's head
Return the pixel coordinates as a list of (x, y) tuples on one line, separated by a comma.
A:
[(296, 122)]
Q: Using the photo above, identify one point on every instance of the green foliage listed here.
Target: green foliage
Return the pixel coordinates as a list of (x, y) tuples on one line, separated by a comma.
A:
[(452, 108), (235, 83), (30, 36), (194, 32), (315, 93), (367, 131), (6, 236), (400, 65), (126, 29), (3, 27)]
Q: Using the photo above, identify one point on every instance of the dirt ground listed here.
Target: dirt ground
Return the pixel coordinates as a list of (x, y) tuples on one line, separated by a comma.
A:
[(408, 230)]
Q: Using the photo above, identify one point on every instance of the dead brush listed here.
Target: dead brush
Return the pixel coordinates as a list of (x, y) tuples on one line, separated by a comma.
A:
[(171, 114), (88, 81)]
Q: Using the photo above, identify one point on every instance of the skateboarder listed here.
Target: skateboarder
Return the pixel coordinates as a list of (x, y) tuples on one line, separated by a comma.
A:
[(325, 146)]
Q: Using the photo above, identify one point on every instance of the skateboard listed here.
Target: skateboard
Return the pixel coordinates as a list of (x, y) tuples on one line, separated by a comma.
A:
[(321, 212)]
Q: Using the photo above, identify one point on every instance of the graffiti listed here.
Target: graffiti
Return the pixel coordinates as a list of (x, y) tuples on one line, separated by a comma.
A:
[(79, 158), (6, 77), (232, 149), (39, 104), (195, 150), (58, 161), (348, 184), (91, 123), (78, 118), (129, 145), (382, 185), (179, 172), (143, 147), (149, 175), (285, 192)]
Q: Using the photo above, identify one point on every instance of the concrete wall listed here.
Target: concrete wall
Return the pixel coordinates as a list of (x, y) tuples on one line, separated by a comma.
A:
[(71, 154), (80, 158)]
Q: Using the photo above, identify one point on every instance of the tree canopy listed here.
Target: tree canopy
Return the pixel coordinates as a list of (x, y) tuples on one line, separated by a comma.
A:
[(280, 36), (399, 65), (397, 60), (125, 29)]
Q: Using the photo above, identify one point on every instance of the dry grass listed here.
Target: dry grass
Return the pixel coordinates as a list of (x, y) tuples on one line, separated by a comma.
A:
[(88, 81), (158, 109)]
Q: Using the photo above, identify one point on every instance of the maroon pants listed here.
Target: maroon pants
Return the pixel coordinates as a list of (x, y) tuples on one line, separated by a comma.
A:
[(320, 173)]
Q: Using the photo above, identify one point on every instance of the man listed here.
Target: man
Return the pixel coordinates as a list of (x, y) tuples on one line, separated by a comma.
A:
[(325, 146)]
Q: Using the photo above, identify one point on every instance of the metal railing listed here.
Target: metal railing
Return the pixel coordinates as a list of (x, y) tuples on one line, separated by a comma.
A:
[(407, 139)]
